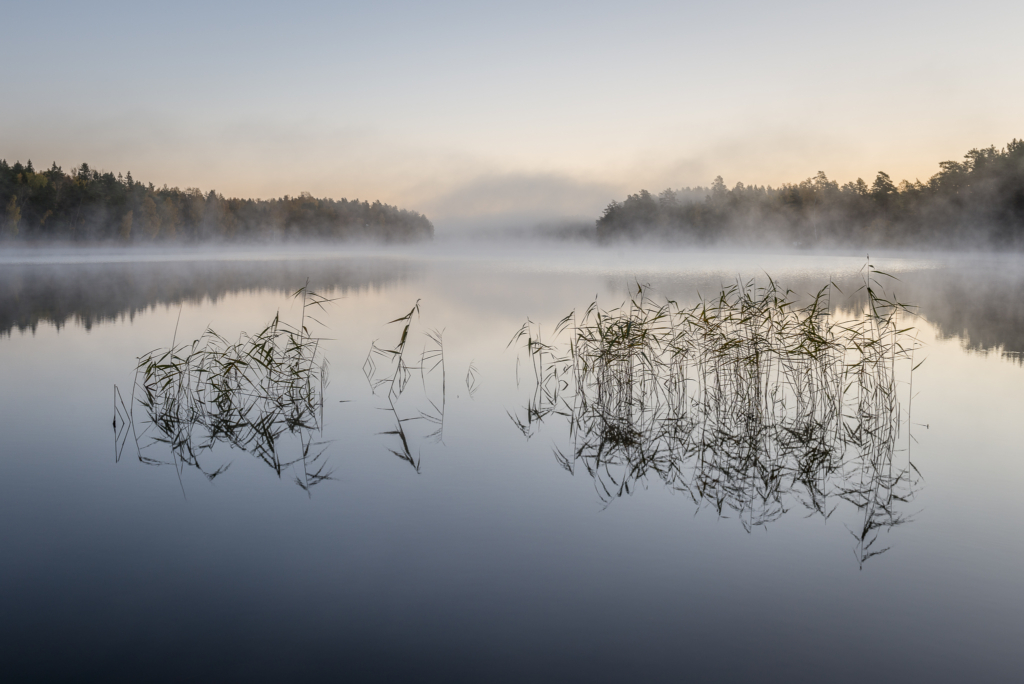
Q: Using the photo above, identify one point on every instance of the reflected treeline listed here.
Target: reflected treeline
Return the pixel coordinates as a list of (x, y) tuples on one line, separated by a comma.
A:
[(747, 402), (87, 294), (979, 301), (252, 395), (982, 303)]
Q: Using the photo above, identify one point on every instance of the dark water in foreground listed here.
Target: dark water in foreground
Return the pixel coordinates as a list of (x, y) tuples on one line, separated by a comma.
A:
[(475, 553)]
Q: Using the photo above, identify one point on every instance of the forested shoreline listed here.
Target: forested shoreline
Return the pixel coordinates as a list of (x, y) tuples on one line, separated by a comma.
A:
[(88, 206), (978, 202)]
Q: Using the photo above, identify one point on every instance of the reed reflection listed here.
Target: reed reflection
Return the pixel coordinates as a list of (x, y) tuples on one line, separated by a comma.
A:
[(389, 374), (252, 395), (748, 403)]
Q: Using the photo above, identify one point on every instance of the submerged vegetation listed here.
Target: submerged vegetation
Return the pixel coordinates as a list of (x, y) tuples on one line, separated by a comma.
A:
[(978, 201), (748, 402), (89, 205), (251, 394)]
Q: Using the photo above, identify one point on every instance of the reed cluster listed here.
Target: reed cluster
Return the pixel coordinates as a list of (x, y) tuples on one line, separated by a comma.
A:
[(248, 394), (745, 401)]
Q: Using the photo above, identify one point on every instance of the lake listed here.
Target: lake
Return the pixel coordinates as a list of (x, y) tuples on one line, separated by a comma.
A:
[(471, 515)]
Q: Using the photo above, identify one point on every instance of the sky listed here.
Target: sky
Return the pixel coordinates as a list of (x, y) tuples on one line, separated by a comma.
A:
[(500, 114)]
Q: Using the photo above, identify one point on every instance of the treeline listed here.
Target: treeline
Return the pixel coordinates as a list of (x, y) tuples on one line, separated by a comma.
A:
[(88, 205), (977, 201)]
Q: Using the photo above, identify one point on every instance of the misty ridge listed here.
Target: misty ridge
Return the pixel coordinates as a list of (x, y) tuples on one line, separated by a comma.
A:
[(87, 205), (977, 202)]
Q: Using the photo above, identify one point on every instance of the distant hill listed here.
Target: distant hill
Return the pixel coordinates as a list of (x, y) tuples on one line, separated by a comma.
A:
[(87, 205), (979, 201)]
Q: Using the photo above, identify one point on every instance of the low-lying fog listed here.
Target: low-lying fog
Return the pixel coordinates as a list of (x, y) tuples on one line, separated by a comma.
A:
[(978, 297)]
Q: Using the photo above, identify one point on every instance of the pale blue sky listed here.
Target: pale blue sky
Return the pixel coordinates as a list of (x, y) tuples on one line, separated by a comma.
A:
[(483, 113)]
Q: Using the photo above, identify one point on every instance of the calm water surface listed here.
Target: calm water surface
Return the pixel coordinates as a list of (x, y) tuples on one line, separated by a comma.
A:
[(468, 551)]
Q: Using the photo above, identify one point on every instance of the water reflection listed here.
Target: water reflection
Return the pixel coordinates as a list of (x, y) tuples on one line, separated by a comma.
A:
[(980, 301), (249, 395), (93, 293), (748, 402), (389, 373)]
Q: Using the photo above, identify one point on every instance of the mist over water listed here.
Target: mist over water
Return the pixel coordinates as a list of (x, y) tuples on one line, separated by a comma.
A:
[(494, 342), (974, 298), (484, 550)]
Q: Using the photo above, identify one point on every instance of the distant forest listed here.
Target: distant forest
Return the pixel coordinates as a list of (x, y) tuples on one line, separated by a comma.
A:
[(978, 201), (87, 205)]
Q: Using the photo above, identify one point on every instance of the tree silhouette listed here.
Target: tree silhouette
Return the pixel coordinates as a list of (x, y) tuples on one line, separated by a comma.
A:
[(978, 201), (89, 205)]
